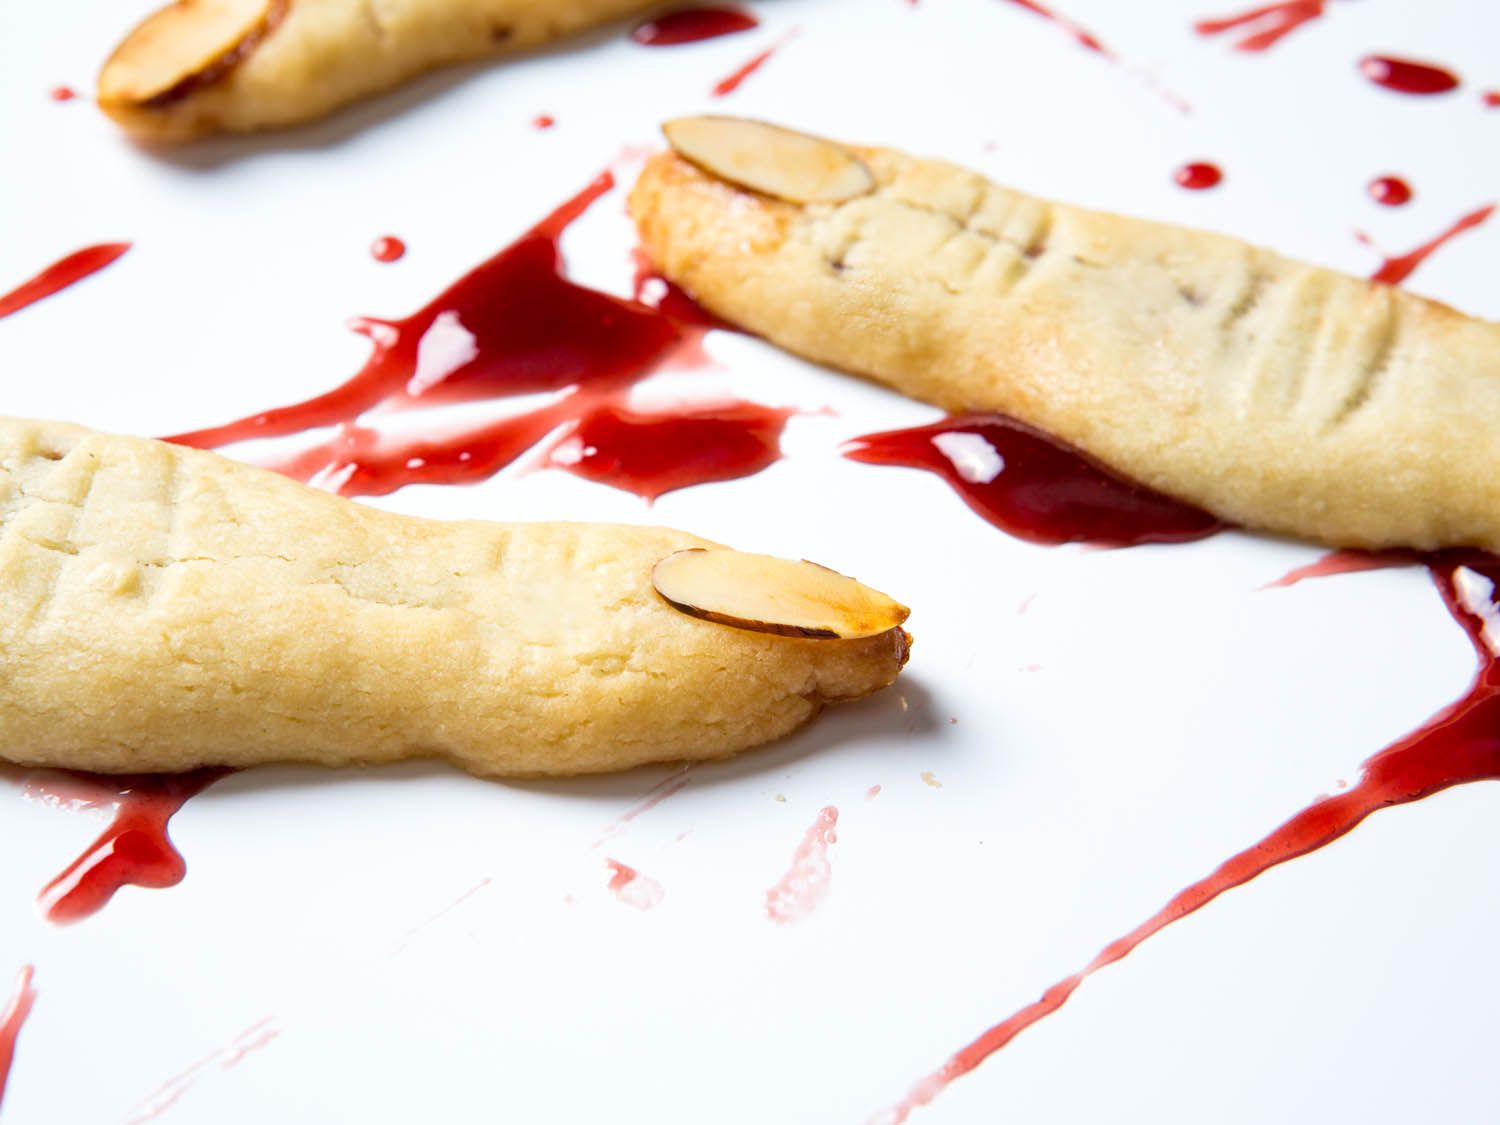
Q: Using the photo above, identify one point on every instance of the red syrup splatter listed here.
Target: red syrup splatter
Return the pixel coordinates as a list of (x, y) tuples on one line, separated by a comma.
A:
[(11, 1020), (62, 93), (1393, 271), (61, 274), (543, 121), (1390, 191), (631, 887), (805, 884), (1457, 746), (1265, 26), (1491, 99), (1198, 176), (732, 81), (387, 248), (1080, 35), (134, 850), (1033, 486), (692, 25), (1407, 77)]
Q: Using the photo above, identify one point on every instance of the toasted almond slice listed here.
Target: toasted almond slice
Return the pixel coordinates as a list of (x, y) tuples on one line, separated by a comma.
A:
[(188, 40), (771, 595), (771, 160)]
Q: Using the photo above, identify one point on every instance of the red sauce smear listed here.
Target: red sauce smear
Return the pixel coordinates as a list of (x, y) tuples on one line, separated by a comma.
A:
[(1390, 191), (1459, 745), (135, 850), (1080, 35), (543, 121), (732, 81), (1033, 486), (387, 248), (62, 93), (1198, 176), (1407, 77), (1264, 26), (61, 274), (1396, 270), (631, 887), (1345, 562), (805, 884), (253, 1038), (692, 25), (11, 1020)]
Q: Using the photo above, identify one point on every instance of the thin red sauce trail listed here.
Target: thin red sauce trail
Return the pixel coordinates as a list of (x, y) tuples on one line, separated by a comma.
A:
[(692, 25), (1081, 35), (1033, 486), (62, 93), (1457, 746), (388, 248), (61, 274), (735, 78), (1390, 191), (1265, 26), (1404, 76), (1345, 562), (805, 885), (1198, 176), (135, 850), (1393, 271), (12, 1018)]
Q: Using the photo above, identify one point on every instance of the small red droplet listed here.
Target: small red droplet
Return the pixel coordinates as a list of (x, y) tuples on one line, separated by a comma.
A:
[(543, 121), (1198, 176), (1407, 77), (63, 93), (1390, 191), (387, 248), (1491, 98)]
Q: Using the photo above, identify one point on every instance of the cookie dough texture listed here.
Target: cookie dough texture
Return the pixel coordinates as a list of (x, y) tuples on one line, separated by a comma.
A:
[(301, 59), (1275, 394), (168, 608)]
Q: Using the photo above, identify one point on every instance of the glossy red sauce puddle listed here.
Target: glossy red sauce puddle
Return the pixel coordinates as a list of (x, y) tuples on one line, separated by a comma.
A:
[(387, 248), (1393, 271), (805, 885), (1080, 35), (735, 78), (1459, 745), (134, 850), (1198, 176), (543, 121), (1033, 486), (1265, 26), (513, 326), (631, 887), (1390, 191), (61, 274), (1407, 77), (12, 1018), (62, 93), (692, 25)]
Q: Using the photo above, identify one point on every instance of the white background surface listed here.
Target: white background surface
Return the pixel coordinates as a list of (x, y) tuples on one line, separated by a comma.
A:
[(1174, 714)]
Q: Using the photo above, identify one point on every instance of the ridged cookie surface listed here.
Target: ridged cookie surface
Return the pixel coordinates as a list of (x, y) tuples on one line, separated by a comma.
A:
[(1275, 394), (167, 608)]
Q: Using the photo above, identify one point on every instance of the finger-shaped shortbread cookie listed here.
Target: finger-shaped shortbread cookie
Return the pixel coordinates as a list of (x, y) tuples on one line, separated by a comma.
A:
[(167, 608), (207, 66), (1275, 394)]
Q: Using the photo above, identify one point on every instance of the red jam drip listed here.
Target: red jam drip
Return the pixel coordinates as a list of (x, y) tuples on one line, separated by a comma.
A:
[(543, 121), (62, 93), (732, 81), (61, 274), (135, 850), (1033, 486), (1457, 746), (11, 1020), (1080, 35), (387, 248), (1346, 562), (1393, 271), (1265, 26), (1390, 191), (1407, 77), (1198, 176), (692, 25)]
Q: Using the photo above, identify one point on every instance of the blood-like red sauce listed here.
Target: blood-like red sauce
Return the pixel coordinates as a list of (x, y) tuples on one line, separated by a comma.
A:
[(61, 274), (805, 885), (1390, 191), (17, 1008), (1345, 562), (631, 887), (692, 25), (62, 93), (733, 80), (1393, 271), (1491, 99), (1198, 176), (387, 248), (1033, 486), (543, 121), (1459, 745), (135, 850), (1407, 77), (1265, 26), (1081, 35)]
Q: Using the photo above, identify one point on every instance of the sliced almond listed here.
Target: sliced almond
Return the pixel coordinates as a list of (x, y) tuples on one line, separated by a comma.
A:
[(771, 160), (771, 595), (189, 42)]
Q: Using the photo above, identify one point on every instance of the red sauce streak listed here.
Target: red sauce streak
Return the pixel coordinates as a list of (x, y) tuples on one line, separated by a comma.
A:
[(1407, 77), (1390, 191), (11, 1020), (631, 887), (1345, 562), (667, 787), (253, 1038), (62, 93), (543, 121), (731, 82), (1459, 745), (805, 884), (1265, 26), (1033, 486), (1080, 35), (692, 25), (134, 850), (387, 248), (1396, 270), (61, 274), (1198, 176)]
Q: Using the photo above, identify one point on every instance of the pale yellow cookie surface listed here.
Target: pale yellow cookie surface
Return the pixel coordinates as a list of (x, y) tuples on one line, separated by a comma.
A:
[(1275, 394), (167, 608)]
